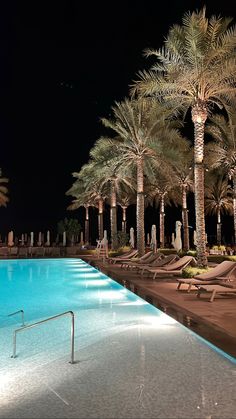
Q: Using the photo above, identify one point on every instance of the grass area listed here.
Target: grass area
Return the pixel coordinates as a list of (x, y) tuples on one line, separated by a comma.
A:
[(220, 258), (191, 271)]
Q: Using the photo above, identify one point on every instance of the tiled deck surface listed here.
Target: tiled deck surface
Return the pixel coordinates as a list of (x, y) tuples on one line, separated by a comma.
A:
[(215, 321)]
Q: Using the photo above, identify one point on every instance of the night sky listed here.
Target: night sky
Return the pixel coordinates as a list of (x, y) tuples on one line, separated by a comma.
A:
[(63, 64)]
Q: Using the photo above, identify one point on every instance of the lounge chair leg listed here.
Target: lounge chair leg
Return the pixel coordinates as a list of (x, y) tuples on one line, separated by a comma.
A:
[(179, 285), (212, 296), (189, 287)]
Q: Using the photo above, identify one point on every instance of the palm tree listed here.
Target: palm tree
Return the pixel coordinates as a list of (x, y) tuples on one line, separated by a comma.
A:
[(89, 175), (222, 153), (196, 69), (161, 193), (218, 194), (4, 199), (182, 177), (84, 197), (103, 179), (111, 178), (124, 200), (143, 130)]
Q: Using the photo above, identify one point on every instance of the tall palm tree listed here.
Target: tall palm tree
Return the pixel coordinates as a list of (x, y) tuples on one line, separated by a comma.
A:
[(111, 178), (143, 130), (182, 178), (124, 200), (103, 178), (222, 153), (161, 193), (4, 199), (196, 69), (218, 194), (84, 197)]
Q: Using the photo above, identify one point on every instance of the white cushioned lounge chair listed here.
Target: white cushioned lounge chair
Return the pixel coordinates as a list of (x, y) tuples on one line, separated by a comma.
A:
[(148, 258), (175, 268), (225, 271), (159, 263)]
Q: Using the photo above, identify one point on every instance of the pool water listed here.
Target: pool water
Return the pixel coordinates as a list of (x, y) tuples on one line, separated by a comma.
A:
[(108, 317)]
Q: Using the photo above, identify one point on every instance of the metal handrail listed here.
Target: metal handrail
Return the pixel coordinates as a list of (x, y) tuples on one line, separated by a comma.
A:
[(16, 312), (44, 321)]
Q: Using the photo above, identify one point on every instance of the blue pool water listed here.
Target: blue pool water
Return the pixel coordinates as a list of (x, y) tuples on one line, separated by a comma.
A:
[(44, 288), (132, 359)]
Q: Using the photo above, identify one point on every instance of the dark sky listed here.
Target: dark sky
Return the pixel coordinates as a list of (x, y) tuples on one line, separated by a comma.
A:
[(63, 64)]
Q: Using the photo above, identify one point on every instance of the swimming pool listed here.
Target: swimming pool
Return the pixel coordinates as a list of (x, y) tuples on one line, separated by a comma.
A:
[(132, 359)]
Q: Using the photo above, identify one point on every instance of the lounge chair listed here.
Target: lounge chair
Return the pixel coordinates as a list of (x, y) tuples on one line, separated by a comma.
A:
[(13, 252), (121, 258), (39, 252), (4, 252), (175, 268), (147, 259), (71, 250), (23, 252), (159, 263), (55, 252), (48, 251), (225, 271), (219, 289)]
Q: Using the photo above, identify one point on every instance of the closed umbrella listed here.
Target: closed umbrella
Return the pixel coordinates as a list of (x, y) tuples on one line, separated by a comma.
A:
[(10, 238), (154, 238), (81, 238), (131, 240), (48, 239), (31, 239), (40, 239), (148, 239), (178, 240), (105, 242), (173, 239), (22, 240), (64, 239)]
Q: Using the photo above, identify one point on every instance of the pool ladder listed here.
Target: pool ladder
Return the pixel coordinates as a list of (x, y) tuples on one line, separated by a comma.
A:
[(22, 315), (30, 326)]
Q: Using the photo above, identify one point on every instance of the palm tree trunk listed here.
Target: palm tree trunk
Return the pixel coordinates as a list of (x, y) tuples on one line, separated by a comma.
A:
[(199, 115), (124, 219), (100, 219), (140, 209), (86, 224), (234, 206), (185, 218), (218, 229), (162, 221), (113, 215)]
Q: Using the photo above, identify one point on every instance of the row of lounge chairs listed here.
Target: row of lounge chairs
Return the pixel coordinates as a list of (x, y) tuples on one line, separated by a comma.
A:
[(30, 252), (220, 280), (156, 264)]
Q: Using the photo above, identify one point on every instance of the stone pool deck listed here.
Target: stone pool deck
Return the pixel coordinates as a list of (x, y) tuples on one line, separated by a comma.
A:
[(214, 321)]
